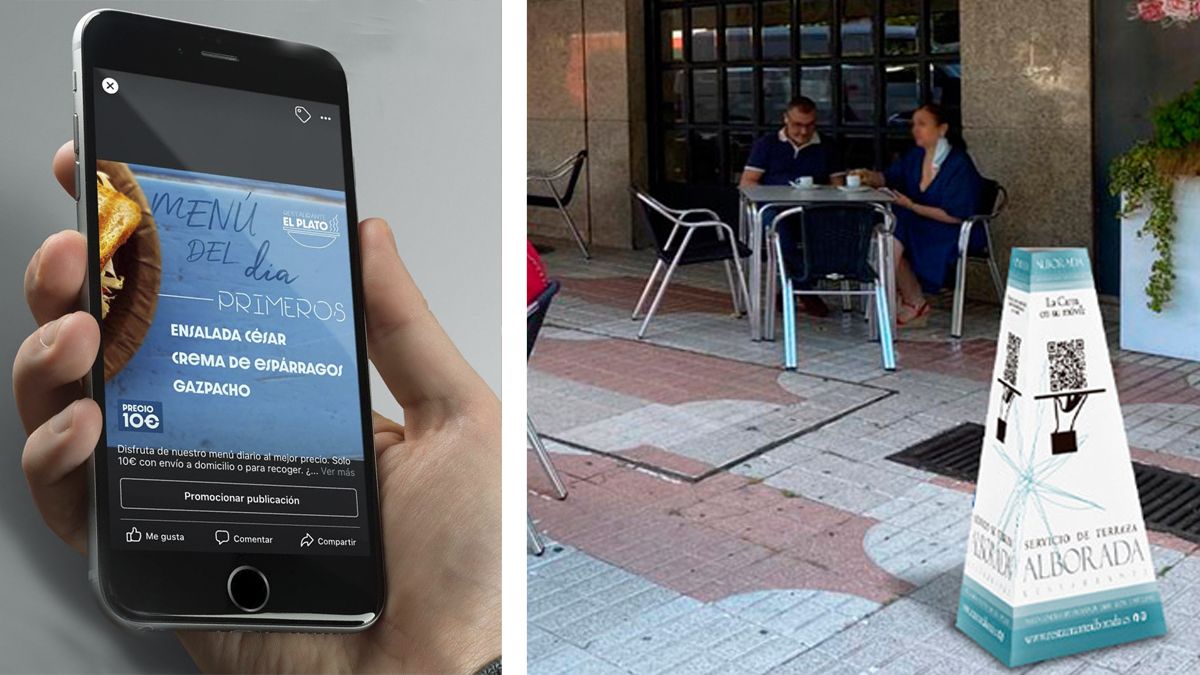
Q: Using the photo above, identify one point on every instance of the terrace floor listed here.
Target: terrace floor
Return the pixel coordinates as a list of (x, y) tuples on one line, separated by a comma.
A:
[(728, 516)]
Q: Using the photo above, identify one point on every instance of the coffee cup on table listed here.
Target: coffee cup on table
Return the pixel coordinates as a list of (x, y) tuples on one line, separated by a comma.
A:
[(853, 180), (803, 182)]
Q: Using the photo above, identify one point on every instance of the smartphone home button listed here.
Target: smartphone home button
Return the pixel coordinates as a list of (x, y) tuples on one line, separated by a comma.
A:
[(248, 588)]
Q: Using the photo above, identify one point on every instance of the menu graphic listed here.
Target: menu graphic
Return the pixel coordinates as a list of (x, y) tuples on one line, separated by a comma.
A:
[(231, 385), (1057, 561)]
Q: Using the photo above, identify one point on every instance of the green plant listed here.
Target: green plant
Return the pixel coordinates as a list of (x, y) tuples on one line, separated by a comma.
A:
[(1146, 174), (1177, 124), (1136, 175)]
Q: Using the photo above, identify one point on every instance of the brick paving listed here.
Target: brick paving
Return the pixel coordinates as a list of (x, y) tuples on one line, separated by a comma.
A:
[(727, 516)]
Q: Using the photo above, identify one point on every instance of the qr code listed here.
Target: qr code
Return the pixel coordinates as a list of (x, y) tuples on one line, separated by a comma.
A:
[(1012, 354), (1068, 369)]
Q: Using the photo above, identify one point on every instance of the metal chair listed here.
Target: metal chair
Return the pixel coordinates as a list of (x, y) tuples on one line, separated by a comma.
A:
[(994, 197), (571, 167), (689, 237), (536, 545), (838, 250), (535, 315)]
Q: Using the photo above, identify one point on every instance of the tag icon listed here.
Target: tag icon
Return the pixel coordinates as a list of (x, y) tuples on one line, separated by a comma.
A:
[(302, 114)]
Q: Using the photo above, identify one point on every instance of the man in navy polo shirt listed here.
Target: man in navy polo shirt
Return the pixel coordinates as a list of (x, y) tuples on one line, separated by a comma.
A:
[(778, 158), (794, 151)]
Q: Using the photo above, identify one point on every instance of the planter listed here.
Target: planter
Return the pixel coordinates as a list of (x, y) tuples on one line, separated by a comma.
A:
[(1175, 331)]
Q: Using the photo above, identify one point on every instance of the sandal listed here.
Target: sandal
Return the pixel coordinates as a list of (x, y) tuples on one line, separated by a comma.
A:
[(919, 317)]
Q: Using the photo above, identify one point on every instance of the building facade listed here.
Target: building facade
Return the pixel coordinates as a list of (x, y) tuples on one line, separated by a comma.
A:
[(669, 94)]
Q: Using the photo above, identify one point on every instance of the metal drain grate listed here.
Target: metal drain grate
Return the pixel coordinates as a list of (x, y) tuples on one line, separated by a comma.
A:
[(1170, 500), (953, 453)]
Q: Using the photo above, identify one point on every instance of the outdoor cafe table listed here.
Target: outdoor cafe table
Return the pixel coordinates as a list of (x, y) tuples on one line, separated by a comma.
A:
[(757, 199)]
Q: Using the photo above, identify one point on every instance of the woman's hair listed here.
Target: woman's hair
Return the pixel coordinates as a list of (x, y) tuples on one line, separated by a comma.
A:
[(953, 130)]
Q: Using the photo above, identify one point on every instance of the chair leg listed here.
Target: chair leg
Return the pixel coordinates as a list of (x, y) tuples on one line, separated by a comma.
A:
[(847, 301), (741, 277), (539, 449), (996, 276), (871, 316), (887, 347), (536, 545), (790, 337), (562, 209), (733, 293), (960, 283), (987, 233), (646, 291), (883, 318), (774, 256), (662, 288), (789, 303), (960, 291)]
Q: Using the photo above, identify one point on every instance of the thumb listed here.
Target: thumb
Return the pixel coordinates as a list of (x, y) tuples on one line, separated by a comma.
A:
[(421, 366)]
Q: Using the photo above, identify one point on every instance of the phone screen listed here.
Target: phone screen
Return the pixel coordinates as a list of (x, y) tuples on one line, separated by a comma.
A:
[(232, 396)]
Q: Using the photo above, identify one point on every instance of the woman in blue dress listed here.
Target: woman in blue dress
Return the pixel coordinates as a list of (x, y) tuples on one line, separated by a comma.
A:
[(937, 187)]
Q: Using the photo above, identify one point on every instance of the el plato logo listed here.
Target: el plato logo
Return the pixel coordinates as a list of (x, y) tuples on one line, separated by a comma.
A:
[(311, 230)]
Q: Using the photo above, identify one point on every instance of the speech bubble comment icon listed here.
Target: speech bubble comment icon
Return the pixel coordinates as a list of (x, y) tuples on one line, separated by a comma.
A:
[(222, 536), (302, 114)]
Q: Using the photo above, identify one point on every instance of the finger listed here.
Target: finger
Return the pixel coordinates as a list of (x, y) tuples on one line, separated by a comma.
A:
[(63, 165), (55, 275), (49, 365), (54, 463), (421, 366), (387, 432)]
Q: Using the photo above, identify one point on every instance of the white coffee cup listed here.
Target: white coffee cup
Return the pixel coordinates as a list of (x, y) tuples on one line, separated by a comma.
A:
[(803, 182), (853, 180)]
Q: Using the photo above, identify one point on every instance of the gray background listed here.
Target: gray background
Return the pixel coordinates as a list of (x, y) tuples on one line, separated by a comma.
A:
[(425, 109)]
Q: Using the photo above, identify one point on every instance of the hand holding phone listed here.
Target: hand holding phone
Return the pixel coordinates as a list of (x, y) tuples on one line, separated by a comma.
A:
[(443, 465), (216, 197), (181, 534)]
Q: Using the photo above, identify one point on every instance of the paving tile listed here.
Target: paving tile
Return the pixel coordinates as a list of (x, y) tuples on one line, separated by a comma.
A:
[(642, 625), (539, 642), (806, 549), (1168, 660), (808, 662), (733, 646), (569, 659)]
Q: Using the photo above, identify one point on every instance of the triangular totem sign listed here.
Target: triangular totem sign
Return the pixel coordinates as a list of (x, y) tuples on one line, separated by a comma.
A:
[(1057, 559)]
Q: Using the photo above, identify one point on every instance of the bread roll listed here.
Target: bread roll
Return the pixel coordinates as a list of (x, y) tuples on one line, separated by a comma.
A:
[(119, 217)]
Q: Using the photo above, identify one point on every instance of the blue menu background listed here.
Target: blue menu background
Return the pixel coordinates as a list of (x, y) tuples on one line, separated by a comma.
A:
[(285, 413)]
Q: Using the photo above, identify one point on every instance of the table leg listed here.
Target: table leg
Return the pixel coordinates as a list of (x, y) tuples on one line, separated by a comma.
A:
[(755, 270), (768, 330), (741, 223), (743, 234), (889, 251)]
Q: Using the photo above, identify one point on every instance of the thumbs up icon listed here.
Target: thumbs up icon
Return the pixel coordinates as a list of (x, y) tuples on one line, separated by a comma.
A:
[(133, 536)]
